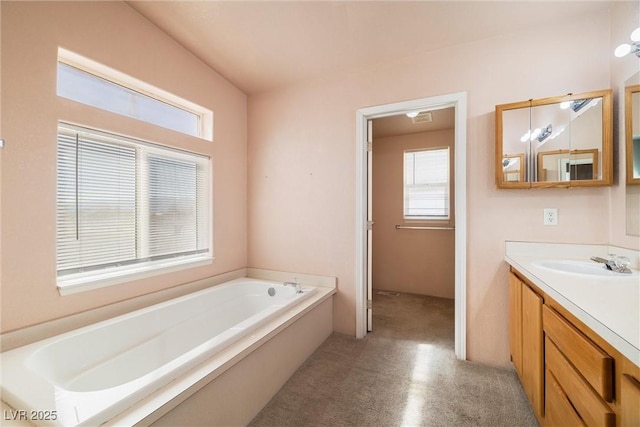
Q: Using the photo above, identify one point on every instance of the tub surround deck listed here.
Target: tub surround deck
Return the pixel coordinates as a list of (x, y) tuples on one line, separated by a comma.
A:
[(609, 304), (144, 410)]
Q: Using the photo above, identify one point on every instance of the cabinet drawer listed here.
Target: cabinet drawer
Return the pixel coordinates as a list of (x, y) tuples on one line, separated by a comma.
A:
[(590, 407), (558, 410), (630, 401), (593, 363)]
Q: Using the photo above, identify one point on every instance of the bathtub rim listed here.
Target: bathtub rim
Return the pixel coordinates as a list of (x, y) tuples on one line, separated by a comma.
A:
[(20, 337), (161, 401), (40, 354)]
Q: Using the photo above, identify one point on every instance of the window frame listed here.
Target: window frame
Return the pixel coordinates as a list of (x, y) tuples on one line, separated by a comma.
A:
[(447, 186), (205, 116), (96, 278)]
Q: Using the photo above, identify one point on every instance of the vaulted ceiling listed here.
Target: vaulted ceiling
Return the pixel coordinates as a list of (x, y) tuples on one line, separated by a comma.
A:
[(261, 45)]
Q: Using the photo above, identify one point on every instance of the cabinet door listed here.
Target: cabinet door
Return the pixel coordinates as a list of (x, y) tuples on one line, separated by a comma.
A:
[(532, 350), (515, 322), (630, 401), (558, 410)]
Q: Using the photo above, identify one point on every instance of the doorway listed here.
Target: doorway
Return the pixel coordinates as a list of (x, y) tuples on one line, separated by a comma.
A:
[(364, 209)]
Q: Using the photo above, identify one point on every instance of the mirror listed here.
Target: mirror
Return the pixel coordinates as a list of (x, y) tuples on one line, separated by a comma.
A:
[(566, 141), (632, 191), (513, 119), (632, 133), (513, 167), (567, 165)]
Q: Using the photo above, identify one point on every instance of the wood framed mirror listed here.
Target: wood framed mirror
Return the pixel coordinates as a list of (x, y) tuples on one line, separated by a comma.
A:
[(632, 133), (567, 141)]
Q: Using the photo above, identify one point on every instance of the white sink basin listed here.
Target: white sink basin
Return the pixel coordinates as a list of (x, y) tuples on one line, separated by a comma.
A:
[(588, 268)]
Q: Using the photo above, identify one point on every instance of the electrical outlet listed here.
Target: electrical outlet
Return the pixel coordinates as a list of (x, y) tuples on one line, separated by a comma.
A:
[(551, 216)]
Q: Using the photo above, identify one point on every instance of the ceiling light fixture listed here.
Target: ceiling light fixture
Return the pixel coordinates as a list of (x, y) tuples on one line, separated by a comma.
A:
[(413, 114), (626, 48), (423, 117)]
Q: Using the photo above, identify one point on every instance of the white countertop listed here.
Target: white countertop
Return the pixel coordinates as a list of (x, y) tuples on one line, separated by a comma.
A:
[(609, 305)]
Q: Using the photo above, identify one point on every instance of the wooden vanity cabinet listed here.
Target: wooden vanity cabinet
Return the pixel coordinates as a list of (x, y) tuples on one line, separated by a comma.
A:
[(583, 380), (527, 351), (630, 397)]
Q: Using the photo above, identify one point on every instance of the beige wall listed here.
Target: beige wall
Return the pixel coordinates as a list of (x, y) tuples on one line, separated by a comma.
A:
[(113, 34), (413, 261), (302, 181)]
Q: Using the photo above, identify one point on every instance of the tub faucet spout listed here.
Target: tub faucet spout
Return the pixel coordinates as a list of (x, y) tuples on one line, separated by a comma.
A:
[(295, 284)]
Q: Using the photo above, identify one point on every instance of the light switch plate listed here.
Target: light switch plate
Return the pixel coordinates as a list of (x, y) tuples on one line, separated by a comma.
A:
[(551, 216)]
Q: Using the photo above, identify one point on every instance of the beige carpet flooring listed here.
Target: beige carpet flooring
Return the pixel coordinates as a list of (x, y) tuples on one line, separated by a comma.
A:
[(403, 374)]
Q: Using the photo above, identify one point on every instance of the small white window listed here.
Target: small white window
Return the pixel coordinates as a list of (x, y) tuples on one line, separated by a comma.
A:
[(125, 206), (93, 84), (426, 184)]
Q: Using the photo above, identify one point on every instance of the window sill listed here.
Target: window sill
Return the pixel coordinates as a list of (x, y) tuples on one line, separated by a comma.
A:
[(81, 282)]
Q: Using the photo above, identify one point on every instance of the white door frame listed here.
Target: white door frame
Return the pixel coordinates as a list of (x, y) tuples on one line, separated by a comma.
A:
[(459, 101)]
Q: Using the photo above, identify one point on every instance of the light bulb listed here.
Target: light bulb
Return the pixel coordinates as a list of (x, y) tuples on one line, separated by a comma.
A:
[(635, 35), (622, 50), (564, 105), (413, 114), (535, 133)]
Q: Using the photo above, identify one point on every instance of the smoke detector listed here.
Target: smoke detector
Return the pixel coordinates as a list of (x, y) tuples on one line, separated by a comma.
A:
[(423, 117)]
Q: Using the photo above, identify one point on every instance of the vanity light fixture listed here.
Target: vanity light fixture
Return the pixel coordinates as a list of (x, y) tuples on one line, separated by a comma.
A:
[(527, 136), (530, 135), (576, 105), (544, 133), (535, 133), (626, 48), (508, 162)]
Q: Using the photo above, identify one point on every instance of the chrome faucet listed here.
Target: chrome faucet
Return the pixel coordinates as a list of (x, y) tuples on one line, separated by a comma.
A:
[(295, 284), (619, 264)]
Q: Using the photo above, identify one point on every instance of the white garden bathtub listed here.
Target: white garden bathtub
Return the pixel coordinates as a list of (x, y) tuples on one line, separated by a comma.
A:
[(89, 375)]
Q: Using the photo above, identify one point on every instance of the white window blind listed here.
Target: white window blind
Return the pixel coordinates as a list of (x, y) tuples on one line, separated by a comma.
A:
[(124, 202), (426, 184)]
